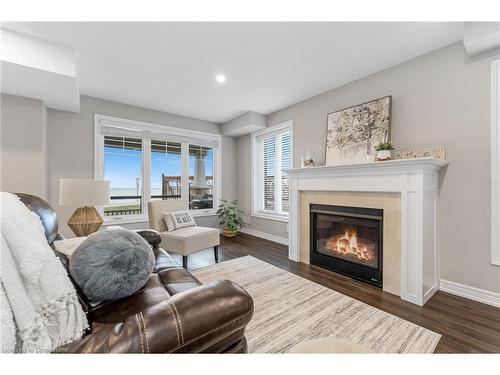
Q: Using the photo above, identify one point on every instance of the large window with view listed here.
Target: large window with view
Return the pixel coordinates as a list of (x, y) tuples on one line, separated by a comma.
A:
[(200, 177), (272, 153), (166, 170), (145, 162), (123, 167)]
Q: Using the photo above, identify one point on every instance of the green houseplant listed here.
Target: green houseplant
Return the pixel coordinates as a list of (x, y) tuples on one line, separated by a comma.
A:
[(384, 150), (229, 217)]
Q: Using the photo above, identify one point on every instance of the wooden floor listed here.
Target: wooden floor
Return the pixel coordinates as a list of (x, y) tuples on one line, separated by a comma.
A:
[(466, 326)]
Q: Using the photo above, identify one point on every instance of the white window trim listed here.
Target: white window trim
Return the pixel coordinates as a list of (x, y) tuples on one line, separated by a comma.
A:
[(495, 162), (104, 120), (255, 184)]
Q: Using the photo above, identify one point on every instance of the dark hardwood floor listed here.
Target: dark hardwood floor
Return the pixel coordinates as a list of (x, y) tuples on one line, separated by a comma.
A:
[(466, 326)]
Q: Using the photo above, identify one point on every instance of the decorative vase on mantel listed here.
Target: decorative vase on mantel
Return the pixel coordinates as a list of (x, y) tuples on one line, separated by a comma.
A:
[(384, 151), (308, 159), (383, 155)]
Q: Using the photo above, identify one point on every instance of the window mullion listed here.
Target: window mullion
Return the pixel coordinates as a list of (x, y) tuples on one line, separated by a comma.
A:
[(185, 171), (262, 188), (146, 174), (277, 177), (100, 165), (215, 180), (259, 184)]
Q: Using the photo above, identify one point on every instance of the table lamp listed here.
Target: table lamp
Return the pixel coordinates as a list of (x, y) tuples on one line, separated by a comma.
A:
[(84, 194)]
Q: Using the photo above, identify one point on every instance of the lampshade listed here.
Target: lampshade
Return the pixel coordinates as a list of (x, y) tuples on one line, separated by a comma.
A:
[(79, 192)]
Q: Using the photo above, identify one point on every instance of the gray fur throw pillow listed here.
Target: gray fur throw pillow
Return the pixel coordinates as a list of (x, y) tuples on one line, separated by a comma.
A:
[(111, 264)]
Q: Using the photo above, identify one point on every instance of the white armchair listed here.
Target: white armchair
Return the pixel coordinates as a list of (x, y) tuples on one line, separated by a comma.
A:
[(183, 241)]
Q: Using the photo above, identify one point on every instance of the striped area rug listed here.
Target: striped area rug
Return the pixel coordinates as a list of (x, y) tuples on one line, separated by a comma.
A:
[(290, 309)]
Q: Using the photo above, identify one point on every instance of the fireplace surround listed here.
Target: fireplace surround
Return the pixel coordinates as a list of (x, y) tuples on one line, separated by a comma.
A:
[(417, 183), (348, 240)]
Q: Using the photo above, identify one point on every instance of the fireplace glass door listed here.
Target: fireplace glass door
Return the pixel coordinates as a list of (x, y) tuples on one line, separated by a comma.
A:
[(348, 240)]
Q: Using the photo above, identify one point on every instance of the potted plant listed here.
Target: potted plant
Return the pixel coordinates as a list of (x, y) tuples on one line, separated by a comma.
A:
[(384, 150), (229, 217)]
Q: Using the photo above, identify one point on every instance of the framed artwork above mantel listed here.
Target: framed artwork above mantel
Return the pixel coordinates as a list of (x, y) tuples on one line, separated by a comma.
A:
[(353, 132)]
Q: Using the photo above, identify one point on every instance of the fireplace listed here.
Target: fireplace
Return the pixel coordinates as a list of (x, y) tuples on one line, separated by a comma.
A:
[(347, 240)]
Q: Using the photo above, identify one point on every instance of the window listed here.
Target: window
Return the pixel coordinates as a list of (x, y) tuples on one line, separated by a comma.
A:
[(166, 170), (123, 167), (272, 153), (147, 161), (200, 177)]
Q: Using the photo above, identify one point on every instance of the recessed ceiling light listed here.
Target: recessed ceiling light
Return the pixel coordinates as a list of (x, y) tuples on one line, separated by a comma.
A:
[(220, 78)]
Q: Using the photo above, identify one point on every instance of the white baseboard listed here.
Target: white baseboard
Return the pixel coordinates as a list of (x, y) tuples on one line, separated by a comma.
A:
[(266, 236), (475, 294)]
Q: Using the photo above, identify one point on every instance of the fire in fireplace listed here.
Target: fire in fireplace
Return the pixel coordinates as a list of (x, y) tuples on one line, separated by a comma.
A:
[(348, 240), (347, 246)]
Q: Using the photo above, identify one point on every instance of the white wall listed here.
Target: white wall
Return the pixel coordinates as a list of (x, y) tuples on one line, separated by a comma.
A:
[(441, 98), (23, 145), (71, 148), (229, 169)]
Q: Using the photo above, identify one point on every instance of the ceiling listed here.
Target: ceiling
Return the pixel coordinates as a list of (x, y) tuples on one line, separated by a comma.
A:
[(171, 67)]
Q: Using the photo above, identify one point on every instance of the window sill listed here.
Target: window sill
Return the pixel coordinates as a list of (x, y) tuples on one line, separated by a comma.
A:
[(142, 219), (262, 215), (201, 213), (123, 220)]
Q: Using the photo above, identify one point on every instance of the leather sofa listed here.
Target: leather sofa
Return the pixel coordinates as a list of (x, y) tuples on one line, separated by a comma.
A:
[(172, 313)]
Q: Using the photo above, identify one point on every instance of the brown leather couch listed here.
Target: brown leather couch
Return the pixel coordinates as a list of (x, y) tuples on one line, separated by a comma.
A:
[(172, 313)]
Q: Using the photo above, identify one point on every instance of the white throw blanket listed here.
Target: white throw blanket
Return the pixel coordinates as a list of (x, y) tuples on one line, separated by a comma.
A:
[(40, 308)]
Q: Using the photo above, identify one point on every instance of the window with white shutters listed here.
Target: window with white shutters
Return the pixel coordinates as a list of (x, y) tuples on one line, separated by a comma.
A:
[(286, 162), (269, 157), (272, 154)]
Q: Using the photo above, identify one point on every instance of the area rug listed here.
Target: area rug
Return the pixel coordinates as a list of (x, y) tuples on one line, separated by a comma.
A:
[(290, 310)]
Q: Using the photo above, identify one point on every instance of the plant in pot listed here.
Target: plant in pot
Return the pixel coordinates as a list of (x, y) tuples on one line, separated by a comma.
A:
[(229, 217), (384, 150)]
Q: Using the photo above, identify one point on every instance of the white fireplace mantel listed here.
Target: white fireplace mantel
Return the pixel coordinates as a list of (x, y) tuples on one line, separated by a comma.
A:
[(417, 180)]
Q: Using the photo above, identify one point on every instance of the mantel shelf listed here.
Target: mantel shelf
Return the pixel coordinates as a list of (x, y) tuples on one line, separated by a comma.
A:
[(400, 165)]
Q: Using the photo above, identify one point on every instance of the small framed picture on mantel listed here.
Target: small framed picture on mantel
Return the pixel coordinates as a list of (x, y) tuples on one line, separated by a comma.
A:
[(352, 133)]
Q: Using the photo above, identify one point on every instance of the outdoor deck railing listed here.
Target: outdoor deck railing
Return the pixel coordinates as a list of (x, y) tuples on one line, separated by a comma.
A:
[(136, 208)]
